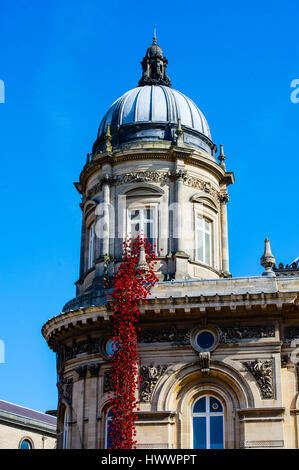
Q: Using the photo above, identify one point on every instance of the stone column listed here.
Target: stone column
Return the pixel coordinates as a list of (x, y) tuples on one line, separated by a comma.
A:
[(106, 201), (91, 409), (181, 258), (79, 406), (224, 233)]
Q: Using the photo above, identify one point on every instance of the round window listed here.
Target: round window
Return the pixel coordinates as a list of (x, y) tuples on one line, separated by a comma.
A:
[(110, 347), (205, 340)]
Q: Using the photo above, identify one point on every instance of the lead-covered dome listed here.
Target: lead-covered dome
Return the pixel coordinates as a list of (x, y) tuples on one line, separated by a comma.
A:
[(153, 111), (156, 104)]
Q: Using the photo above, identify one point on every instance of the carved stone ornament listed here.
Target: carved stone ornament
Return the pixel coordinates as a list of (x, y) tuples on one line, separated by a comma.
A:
[(180, 336), (149, 176), (149, 377), (65, 389), (204, 362), (94, 369), (262, 371), (107, 386), (235, 334), (81, 371), (88, 346), (291, 332)]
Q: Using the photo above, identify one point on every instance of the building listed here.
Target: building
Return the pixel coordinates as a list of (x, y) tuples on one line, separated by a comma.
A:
[(22, 428), (218, 362)]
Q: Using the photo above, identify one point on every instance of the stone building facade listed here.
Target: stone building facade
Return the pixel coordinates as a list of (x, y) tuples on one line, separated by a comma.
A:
[(23, 428), (218, 354)]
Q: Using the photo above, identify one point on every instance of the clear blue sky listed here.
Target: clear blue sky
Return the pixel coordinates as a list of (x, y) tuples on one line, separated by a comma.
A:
[(63, 63)]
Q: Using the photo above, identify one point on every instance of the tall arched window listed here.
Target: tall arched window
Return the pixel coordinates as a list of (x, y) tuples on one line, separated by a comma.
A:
[(91, 245), (143, 220), (65, 441), (107, 429), (208, 423)]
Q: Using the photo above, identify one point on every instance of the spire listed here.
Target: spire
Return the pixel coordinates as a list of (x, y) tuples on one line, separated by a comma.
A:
[(268, 260), (154, 66), (155, 35)]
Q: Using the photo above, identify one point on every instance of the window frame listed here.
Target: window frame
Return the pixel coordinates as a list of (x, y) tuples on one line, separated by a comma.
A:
[(91, 238), (207, 415), (143, 206), (203, 231), (28, 440), (66, 427)]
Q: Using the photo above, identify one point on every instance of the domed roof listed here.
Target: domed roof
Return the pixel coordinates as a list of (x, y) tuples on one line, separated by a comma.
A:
[(154, 104), (154, 51)]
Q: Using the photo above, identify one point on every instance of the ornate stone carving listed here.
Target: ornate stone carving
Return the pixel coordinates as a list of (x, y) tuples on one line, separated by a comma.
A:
[(287, 270), (262, 371), (235, 334), (94, 369), (154, 177), (174, 335), (65, 390), (204, 362), (88, 346), (107, 386), (291, 332), (149, 377), (81, 371)]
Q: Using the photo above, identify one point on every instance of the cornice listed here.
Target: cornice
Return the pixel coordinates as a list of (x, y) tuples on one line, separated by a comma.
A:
[(172, 154), (252, 305)]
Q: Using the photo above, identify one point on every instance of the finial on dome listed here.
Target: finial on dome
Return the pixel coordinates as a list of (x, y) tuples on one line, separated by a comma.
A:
[(268, 260), (155, 35), (154, 66)]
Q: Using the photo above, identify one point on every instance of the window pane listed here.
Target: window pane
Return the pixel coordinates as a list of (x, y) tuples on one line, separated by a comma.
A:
[(216, 431), (134, 214), (199, 433), (208, 249), (215, 405), (135, 229), (205, 340), (25, 444), (207, 225), (200, 406), (199, 221), (149, 214), (149, 232), (200, 245)]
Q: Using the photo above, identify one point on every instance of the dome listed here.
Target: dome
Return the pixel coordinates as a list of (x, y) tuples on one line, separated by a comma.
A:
[(154, 104), (154, 111), (154, 51)]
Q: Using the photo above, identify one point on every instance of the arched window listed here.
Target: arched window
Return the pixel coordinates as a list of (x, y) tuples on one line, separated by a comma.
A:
[(204, 240), (91, 240), (109, 416), (208, 423), (143, 220), (25, 444), (65, 441)]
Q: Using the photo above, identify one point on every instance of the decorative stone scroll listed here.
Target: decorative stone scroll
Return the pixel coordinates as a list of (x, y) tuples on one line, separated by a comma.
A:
[(235, 334), (262, 371), (149, 377), (65, 390)]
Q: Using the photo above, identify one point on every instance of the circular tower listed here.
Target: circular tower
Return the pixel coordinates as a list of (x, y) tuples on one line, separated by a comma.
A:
[(153, 169)]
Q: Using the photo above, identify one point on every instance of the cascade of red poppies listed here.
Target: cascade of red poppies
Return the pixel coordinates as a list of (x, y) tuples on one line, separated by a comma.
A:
[(131, 284)]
